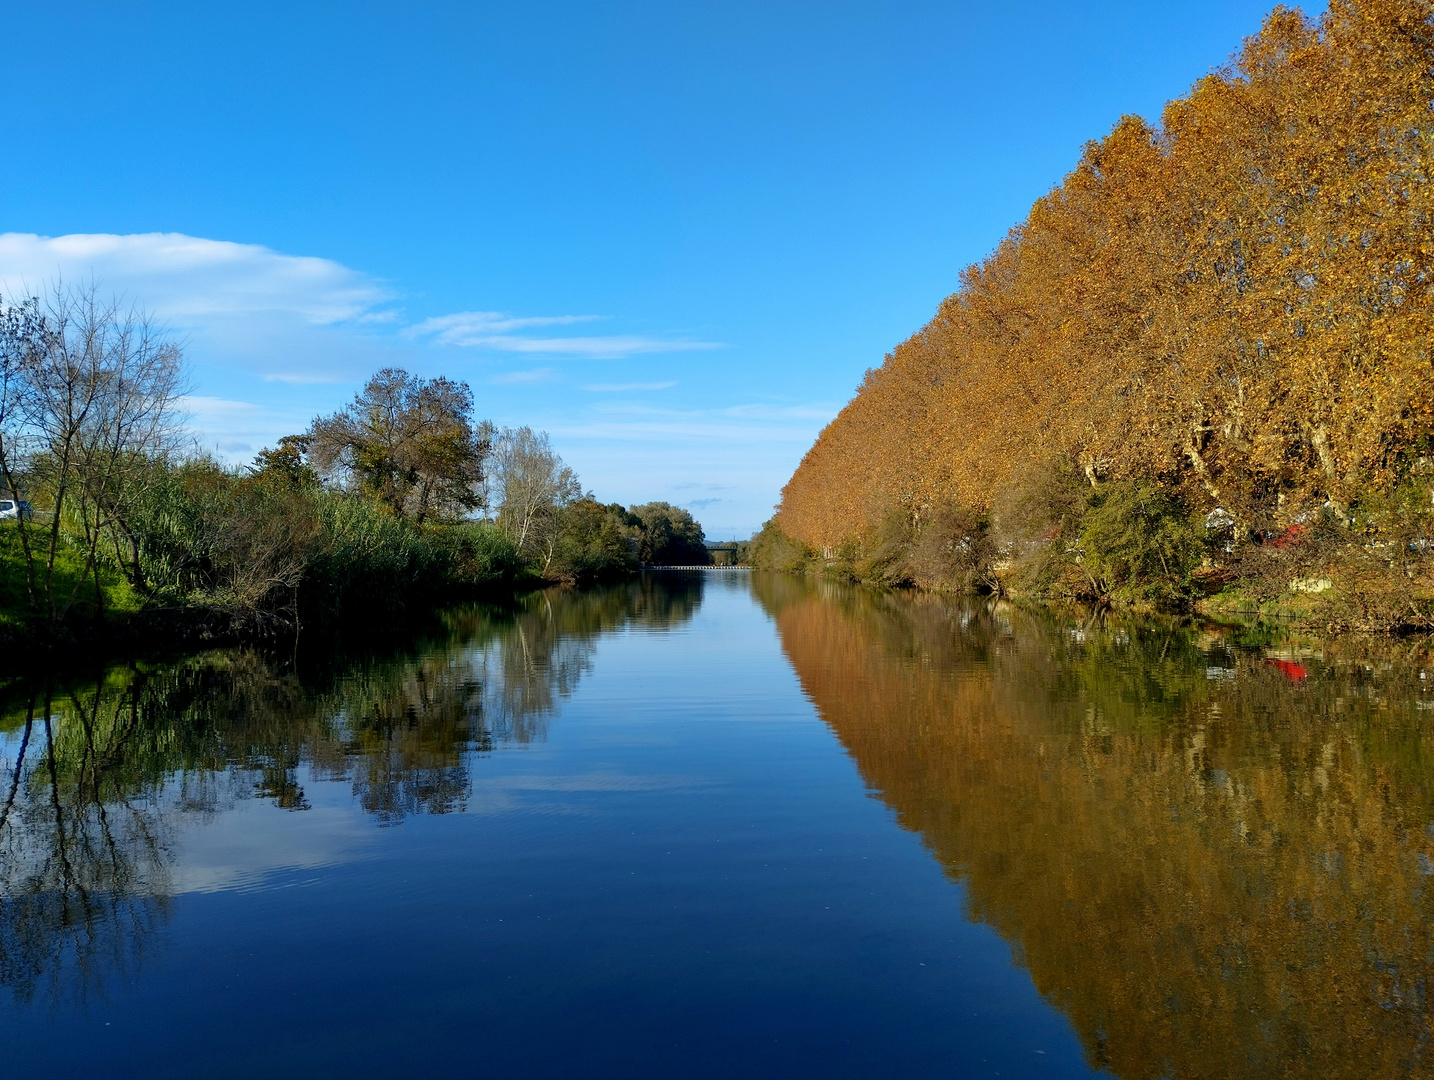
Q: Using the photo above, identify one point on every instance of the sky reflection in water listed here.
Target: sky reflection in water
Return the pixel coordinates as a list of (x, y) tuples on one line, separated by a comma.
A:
[(727, 826)]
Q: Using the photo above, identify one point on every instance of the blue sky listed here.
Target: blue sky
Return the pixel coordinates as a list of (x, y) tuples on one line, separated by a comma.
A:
[(672, 234)]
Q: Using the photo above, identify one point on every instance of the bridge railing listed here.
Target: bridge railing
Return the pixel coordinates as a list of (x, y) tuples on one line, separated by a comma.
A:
[(696, 569)]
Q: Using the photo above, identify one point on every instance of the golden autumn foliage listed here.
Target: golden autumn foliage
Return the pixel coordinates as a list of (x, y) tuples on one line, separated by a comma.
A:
[(1235, 305), (1214, 863)]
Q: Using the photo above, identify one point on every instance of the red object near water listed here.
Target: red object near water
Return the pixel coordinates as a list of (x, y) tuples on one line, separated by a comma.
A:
[(1288, 538), (1292, 671)]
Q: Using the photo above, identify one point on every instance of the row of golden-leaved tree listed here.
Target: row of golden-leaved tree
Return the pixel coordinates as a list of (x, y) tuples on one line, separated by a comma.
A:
[(1227, 314), (400, 500)]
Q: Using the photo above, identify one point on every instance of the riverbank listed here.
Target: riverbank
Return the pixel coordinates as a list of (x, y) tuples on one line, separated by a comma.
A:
[(1328, 577), (209, 556), (115, 535), (167, 633), (231, 562)]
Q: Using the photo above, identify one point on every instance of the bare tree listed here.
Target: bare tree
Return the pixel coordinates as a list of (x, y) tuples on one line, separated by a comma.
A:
[(87, 395), (531, 486), (408, 441)]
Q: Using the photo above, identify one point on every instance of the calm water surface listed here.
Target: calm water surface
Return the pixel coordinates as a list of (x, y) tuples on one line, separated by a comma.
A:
[(727, 825)]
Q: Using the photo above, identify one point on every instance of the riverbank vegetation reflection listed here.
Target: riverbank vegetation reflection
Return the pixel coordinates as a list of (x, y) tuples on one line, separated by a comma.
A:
[(102, 776), (1210, 848), (1213, 855)]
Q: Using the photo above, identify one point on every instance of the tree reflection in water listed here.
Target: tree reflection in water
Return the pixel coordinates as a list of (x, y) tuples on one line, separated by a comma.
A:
[(1213, 855), (101, 776), (1215, 859), (83, 868)]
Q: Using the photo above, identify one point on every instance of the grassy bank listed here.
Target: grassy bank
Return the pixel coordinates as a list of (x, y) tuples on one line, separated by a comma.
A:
[(211, 554)]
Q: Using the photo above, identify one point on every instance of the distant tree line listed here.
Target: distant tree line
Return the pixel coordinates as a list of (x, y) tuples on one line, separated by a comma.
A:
[(402, 498), (1213, 334)]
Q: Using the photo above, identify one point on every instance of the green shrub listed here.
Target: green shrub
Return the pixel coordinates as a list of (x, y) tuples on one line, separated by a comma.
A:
[(1137, 542), (271, 547), (946, 547), (668, 535), (592, 545), (772, 549), (369, 559), (483, 556)]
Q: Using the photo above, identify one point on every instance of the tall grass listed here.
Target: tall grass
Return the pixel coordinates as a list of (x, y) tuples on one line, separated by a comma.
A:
[(111, 595), (272, 552), (269, 550)]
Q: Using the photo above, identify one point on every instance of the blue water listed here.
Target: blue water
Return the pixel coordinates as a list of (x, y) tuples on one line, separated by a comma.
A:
[(686, 877), (726, 825)]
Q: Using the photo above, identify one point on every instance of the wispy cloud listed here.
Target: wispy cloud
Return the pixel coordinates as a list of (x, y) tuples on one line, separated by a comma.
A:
[(822, 411), (243, 307), (509, 378), (635, 422), (299, 378), (276, 339), (217, 410), (696, 428), (618, 388), (725, 462), (291, 318), (237, 428), (501, 332), (466, 327), (633, 419), (616, 347)]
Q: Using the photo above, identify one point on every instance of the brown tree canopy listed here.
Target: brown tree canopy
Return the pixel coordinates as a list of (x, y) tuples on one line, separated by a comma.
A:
[(1235, 303), (410, 442)]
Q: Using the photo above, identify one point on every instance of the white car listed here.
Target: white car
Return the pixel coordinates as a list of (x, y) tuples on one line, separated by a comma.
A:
[(10, 509)]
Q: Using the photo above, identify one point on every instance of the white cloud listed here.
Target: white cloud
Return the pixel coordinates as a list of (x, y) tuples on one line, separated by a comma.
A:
[(237, 429), (253, 845), (299, 378), (595, 348), (243, 309), (509, 378), (460, 328), (214, 410), (286, 318), (746, 424), (822, 411), (274, 340), (694, 426), (500, 332), (184, 278), (615, 388)]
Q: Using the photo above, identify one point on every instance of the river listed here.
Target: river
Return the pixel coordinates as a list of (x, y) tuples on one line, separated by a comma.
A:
[(720, 825)]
